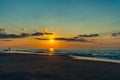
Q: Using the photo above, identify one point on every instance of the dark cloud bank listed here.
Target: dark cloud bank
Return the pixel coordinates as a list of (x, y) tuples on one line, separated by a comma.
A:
[(66, 39), (116, 34), (90, 35), (4, 35), (79, 38)]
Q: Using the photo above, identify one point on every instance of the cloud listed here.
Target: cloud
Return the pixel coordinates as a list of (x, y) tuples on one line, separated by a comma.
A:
[(90, 35), (79, 38), (66, 39), (115, 34), (37, 34), (22, 35), (46, 33), (41, 34), (72, 39), (42, 38), (3, 34)]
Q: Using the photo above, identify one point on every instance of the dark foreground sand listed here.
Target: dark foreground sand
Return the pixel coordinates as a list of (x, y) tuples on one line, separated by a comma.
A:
[(44, 67)]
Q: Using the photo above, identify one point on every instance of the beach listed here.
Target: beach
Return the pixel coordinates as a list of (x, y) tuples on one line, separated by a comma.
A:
[(19, 66)]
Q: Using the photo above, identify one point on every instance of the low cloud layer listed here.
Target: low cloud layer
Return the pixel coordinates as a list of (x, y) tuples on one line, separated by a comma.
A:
[(90, 35), (78, 38), (116, 34), (22, 35), (3, 34), (40, 34), (72, 39), (66, 39)]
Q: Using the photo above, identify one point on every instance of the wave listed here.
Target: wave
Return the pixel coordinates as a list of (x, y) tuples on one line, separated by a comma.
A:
[(95, 59)]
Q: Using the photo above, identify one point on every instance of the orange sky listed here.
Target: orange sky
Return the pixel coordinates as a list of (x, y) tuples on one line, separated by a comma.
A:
[(40, 44)]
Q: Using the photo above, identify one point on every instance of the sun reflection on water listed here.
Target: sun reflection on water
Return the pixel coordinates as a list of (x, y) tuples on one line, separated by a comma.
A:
[(51, 51)]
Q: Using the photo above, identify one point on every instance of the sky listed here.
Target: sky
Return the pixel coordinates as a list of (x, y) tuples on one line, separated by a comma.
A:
[(65, 18)]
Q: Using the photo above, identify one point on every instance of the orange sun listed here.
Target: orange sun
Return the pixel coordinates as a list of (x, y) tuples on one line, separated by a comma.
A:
[(51, 40)]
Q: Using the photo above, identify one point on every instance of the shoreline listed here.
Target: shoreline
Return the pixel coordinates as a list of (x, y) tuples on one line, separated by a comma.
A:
[(74, 57), (95, 59)]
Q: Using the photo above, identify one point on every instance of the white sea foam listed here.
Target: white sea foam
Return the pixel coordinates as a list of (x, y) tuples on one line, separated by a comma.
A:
[(14, 52), (22, 52), (95, 59)]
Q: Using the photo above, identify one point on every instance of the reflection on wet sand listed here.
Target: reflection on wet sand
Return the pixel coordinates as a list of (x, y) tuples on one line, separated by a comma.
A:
[(51, 51)]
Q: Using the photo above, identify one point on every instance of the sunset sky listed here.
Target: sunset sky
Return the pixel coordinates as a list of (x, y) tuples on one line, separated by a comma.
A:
[(63, 20)]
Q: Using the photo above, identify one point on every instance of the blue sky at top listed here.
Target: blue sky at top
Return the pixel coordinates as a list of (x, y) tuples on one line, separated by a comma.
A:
[(62, 16)]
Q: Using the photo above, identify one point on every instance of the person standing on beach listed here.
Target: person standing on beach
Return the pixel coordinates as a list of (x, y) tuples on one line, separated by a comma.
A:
[(9, 49)]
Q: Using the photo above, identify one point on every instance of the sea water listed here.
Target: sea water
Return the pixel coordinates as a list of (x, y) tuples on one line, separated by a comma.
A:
[(95, 53), (109, 54)]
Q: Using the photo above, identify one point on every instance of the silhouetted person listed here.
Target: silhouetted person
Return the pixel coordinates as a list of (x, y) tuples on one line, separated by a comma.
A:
[(9, 49)]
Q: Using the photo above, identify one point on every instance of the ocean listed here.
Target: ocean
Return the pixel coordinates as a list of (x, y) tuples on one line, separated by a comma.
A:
[(105, 54), (109, 54)]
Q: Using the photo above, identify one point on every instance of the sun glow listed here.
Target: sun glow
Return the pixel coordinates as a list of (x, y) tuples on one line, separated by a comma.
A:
[(51, 40)]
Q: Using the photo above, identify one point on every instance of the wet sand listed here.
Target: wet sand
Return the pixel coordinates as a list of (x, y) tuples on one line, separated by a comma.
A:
[(54, 67)]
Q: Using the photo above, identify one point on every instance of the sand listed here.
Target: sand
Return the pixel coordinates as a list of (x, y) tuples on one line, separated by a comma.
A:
[(54, 67)]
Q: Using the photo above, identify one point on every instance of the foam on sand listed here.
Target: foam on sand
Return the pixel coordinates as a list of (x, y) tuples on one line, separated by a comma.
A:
[(14, 52), (95, 59), (22, 52)]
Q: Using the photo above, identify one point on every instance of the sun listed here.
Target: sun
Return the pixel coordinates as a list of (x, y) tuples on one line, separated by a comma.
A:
[(51, 40)]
